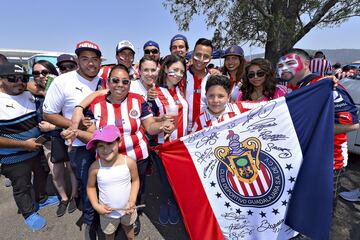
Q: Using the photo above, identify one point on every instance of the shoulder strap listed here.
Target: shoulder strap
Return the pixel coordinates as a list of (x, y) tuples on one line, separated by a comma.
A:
[(100, 163)]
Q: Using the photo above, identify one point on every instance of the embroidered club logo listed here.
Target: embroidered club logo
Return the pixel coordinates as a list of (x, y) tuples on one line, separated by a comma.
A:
[(134, 113), (247, 175)]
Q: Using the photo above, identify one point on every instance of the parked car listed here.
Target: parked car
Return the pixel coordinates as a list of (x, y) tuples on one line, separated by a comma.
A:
[(353, 87)]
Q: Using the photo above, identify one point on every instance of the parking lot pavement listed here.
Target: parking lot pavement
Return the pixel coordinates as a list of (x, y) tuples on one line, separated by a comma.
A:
[(345, 225), (12, 226)]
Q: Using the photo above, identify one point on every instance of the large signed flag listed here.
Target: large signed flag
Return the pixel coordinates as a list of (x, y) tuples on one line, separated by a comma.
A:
[(265, 174)]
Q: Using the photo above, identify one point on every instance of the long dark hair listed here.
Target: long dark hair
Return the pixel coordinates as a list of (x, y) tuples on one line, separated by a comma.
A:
[(48, 65), (168, 61), (239, 71), (269, 84)]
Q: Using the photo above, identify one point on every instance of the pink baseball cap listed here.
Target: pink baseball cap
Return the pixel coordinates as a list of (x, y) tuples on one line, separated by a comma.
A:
[(108, 134)]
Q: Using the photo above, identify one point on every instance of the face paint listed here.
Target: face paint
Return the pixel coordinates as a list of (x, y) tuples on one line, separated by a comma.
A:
[(175, 74), (291, 64)]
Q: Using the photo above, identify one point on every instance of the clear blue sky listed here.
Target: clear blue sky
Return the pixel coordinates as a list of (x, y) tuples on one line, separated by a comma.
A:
[(59, 25)]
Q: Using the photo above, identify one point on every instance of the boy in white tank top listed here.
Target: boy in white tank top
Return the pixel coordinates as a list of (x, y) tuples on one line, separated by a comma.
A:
[(118, 183)]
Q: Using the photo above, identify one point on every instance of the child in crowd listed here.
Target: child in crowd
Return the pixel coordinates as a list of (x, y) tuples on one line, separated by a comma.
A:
[(118, 182), (218, 89)]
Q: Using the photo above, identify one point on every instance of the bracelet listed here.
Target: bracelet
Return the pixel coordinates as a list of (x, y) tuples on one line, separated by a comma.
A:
[(79, 107)]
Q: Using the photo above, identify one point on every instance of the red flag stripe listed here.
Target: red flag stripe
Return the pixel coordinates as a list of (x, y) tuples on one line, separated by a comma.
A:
[(198, 216)]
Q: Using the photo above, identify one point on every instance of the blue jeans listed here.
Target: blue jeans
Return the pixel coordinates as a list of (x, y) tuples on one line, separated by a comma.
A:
[(80, 161)]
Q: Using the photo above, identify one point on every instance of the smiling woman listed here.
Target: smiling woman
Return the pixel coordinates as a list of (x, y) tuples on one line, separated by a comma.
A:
[(259, 82)]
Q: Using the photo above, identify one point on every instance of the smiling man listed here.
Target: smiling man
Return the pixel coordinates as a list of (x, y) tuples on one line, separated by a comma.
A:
[(19, 152), (197, 76), (64, 94)]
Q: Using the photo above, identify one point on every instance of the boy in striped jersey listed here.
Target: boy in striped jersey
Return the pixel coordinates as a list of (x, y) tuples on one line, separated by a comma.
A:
[(218, 109)]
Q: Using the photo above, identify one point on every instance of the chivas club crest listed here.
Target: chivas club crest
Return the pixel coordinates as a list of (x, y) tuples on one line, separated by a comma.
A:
[(246, 174), (134, 113)]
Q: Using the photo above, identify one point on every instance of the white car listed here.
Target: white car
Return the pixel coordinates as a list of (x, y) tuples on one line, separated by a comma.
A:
[(353, 87)]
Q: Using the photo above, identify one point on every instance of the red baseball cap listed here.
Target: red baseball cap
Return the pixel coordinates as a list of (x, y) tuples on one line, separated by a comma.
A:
[(88, 46)]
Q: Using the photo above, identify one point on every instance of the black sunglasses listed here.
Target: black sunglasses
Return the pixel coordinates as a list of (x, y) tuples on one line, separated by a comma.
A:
[(258, 74), (153, 51), (116, 80), (43, 72), (65, 67), (16, 78)]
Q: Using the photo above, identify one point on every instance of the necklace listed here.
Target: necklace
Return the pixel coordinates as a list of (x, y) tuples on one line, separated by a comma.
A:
[(256, 95)]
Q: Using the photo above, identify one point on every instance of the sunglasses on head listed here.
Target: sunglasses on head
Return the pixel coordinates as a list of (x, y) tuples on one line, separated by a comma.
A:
[(116, 80), (259, 73), (153, 51), (64, 67), (43, 72), (16, 78)]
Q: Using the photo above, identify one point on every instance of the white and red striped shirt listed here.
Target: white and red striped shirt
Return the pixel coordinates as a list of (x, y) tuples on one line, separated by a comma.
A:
[(168, 97), (104, 74), (320, 67), (127, 116), (195, 96), (207, 119)]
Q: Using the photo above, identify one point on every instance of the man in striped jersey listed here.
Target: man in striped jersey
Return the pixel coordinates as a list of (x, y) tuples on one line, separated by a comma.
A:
[(19, 152), (197, 76), (319, 65)]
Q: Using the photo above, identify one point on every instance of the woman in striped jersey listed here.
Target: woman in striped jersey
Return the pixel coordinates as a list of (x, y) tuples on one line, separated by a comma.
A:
[(169, 96), (218, 90), (129, 112)]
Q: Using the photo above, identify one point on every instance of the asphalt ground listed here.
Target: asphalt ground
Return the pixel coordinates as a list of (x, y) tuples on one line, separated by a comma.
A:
[(345, 225)]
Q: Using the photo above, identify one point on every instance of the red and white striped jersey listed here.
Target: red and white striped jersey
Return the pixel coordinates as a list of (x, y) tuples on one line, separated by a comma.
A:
[(127, 116), (347, 74), (195, 96), (320, 67), (207, 119), (104, 74), (168, 97)]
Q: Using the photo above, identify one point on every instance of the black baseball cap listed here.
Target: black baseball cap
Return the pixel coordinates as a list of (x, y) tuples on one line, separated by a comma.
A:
[(12, 69)]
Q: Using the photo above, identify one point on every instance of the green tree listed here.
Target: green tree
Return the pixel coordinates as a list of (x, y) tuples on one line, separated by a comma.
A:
[(276, 25)]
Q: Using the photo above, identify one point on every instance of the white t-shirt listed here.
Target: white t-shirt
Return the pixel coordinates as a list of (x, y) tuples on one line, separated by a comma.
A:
[(15, 106), (67, 91), (137, 87)]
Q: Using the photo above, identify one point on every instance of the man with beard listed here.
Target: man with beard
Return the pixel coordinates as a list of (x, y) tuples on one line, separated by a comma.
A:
[(63, 96), (293, 67), (19, 151)]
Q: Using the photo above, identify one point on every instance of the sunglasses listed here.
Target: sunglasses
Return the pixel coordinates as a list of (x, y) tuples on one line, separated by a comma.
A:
[(153, 51), (43, 72), (116, 80), (16, 78), (258, 74), (65, 67)]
